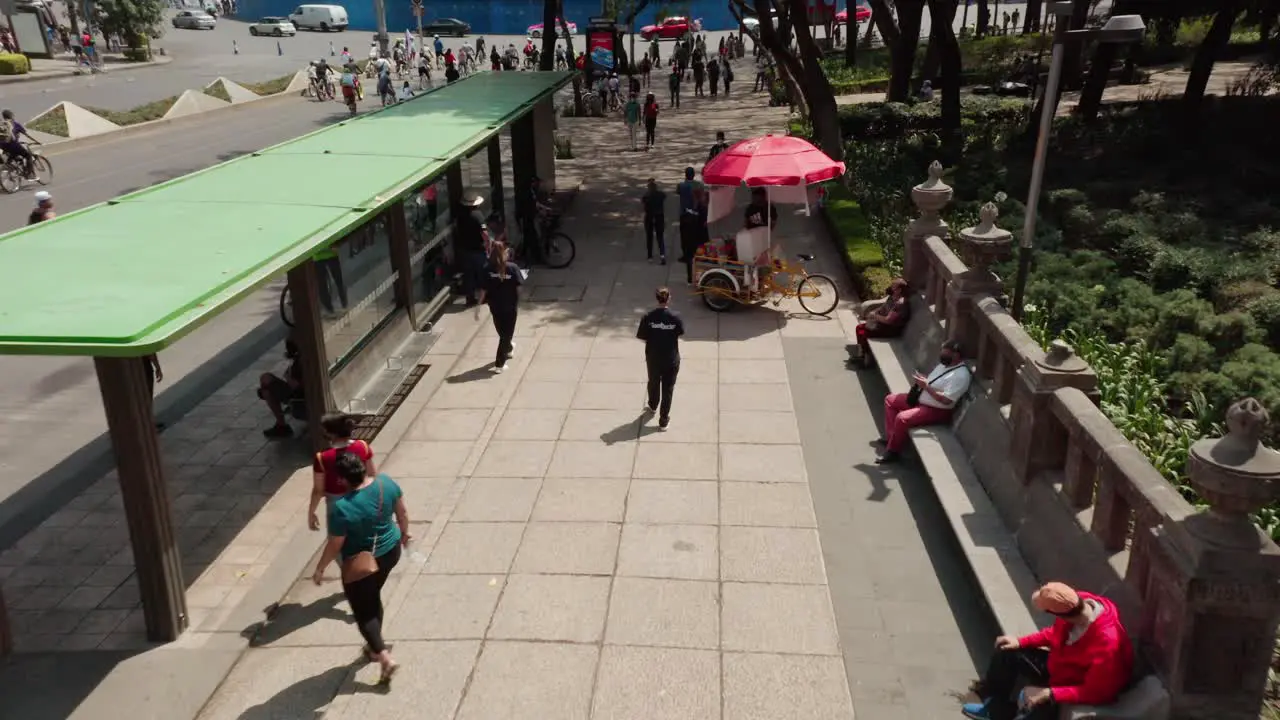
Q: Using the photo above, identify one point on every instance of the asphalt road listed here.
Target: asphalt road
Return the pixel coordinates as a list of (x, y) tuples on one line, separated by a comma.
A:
[(50, 408), (202, 56)]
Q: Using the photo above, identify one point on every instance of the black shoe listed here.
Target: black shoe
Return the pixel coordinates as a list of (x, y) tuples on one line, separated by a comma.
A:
[(278, 432), (890, 456), (664, 422)]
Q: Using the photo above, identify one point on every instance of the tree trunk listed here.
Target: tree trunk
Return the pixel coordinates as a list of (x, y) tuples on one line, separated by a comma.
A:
[(850, 39), (882, 19), (579, 110), (942, 15), (984, 19), (868, 40), (902, 54), (824, 113), (1074, 49), (1094, 85), (1202, 65), (548, 59), (1031, 23), (928, 68)]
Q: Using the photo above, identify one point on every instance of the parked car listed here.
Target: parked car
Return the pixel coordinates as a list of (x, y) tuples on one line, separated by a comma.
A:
[(535, 31), (673, 28), (319, 17), (194, 20), (274, 26), (446, 26), (861, 12)]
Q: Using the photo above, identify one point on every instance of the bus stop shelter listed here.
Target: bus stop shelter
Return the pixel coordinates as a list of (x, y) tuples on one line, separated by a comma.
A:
[(127, 278)]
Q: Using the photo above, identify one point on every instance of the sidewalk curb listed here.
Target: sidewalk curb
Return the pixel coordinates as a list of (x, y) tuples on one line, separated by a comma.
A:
[(57, 148), (64, 73)]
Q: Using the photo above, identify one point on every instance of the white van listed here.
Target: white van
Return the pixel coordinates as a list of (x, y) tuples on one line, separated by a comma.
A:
[(319, 17)]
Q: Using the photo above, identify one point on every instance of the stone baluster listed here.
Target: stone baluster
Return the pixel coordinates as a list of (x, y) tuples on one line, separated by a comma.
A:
[(1212, 595), (979, 246), (929, 197), (1039, 441)]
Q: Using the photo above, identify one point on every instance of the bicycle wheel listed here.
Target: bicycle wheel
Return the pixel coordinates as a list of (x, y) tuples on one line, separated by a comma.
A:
[(286, 307), (10, 179), (717, 293), (818, 294), (558, 250), (44, 170)]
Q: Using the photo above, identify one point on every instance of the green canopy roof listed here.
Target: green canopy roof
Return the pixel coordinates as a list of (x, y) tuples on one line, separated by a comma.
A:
[(132, 275)]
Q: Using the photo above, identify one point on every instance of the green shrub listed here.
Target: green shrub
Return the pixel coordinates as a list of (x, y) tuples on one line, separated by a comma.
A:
[(854, 237), (272, 87), (1265, 311), (890, 121), (14, 64), (137, 54), (142, 113)]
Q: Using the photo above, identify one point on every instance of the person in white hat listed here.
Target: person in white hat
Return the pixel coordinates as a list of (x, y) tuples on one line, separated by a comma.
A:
[(43, 209)]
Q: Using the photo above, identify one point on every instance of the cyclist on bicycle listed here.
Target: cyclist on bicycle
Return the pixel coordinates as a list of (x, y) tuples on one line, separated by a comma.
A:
[(11, 131), (324, 85)]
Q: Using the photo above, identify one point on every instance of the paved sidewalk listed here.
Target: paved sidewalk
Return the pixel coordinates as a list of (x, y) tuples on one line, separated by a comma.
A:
[(573, 561), (64, 66)]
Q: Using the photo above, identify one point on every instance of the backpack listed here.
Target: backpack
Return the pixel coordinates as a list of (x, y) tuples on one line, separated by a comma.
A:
[(348, 80)]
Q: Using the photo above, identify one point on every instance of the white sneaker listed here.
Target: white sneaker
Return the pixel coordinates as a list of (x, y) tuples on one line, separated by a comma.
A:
[(512, 353), (498, 369)]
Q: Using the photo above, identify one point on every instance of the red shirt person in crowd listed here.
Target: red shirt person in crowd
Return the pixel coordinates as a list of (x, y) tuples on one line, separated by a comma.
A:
[(326, 483), (1084, 658)]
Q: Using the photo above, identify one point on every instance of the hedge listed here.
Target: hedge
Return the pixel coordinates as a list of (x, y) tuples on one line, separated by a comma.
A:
[(884, 121), (863, 257), (14, 64)]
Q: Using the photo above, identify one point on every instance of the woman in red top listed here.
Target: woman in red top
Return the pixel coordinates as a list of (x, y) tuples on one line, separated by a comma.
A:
[(886, 321), (650, 113), (326, 484)]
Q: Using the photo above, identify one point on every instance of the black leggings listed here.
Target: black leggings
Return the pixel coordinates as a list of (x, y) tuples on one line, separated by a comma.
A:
[(365, 598), (504, 321), (650, 131), (1009, 672)]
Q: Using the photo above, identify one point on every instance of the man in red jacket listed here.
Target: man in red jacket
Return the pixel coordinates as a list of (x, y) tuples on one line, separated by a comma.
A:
[(1084, 658)]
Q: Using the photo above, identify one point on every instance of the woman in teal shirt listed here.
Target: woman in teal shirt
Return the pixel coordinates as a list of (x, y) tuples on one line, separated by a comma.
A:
[(370, 517)]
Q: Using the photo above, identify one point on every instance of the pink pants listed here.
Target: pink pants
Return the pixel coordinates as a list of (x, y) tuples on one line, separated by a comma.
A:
[(899, 418)]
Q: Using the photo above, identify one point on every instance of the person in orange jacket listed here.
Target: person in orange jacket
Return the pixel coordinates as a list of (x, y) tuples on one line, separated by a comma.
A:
[(1084, 658)]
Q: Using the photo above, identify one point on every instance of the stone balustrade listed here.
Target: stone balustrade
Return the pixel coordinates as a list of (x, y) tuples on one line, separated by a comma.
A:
[(1199, 588)]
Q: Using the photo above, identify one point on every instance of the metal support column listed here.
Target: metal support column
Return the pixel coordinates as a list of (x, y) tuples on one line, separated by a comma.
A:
[(523, 168), (496, 191), (401, 259), (453, 186), (126, 399), (308, 334)]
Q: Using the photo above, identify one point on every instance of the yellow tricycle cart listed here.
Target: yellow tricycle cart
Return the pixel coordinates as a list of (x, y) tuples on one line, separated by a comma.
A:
[(723, 282)]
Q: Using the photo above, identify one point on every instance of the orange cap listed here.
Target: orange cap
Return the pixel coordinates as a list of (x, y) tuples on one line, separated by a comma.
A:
[(1056, 598)]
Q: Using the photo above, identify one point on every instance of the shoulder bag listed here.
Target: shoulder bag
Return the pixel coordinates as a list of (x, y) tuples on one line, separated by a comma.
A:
[(363, 564), (913, 395)]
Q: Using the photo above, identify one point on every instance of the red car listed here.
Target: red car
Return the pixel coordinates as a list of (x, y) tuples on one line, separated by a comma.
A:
[(861, 12), (673, 28)]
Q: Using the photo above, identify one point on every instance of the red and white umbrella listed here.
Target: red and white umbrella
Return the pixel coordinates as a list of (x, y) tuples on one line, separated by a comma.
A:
[(772, 160)]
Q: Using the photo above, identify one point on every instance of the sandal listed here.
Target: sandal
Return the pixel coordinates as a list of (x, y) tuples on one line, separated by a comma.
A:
[(388, 672)]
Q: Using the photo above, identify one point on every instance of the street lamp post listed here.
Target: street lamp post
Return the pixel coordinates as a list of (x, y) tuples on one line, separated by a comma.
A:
[(1118, 29)]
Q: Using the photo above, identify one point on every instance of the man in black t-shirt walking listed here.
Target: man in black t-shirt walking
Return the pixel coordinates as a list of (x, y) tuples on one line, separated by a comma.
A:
[(660, 329)]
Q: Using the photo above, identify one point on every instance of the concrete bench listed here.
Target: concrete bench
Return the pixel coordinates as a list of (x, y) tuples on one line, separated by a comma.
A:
[(1001, 573)]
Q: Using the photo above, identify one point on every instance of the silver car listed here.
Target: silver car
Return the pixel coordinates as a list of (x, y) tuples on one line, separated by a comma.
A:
[(194, 20)]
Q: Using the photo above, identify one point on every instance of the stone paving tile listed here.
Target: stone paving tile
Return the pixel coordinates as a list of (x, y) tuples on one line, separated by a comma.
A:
[(518, 680), (593, 459), (568, 548), (752, 371), (544, 395), (776, 505), (530, 424), (442, 607), (767, 687), (793, 619), (669, 551), (759, 427), (611, 426), (667, 613), (582, 499), (762, 463), (677, 461), (515, 458), (497, 500), (673, 502), (771, 555), (639, 682), (546, 368), (483, 548), (610, 395), (569, 608), (434, 458), (428, 686)]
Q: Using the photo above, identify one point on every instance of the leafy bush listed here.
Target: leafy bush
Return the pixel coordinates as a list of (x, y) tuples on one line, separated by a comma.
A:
[(136, 54), (890, 121), (14, 64), (852, 231)]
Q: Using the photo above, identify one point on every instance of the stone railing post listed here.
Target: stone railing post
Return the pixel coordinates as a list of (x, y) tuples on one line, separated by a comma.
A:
[(1212, 595), (929, 197), (1039, 442), (980, 246)]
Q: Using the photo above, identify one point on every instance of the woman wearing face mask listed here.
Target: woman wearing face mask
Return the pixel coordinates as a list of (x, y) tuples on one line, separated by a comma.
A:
[(326, 484), (502, 291), (368, 525)]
